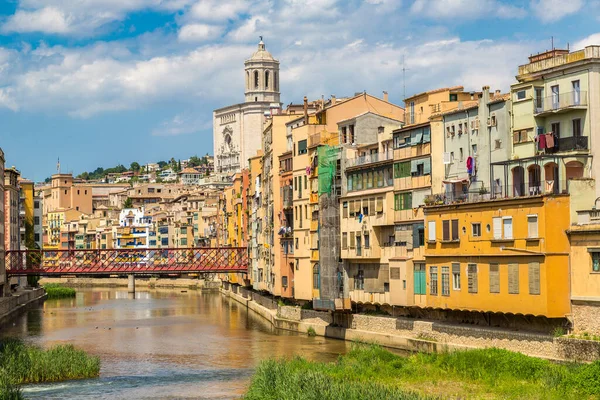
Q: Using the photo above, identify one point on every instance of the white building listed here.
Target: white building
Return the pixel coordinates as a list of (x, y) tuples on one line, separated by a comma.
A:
[(189, 176), (134, 230), (237, 128)]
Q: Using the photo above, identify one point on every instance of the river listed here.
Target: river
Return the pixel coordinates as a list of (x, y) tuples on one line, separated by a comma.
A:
[(162, 344)]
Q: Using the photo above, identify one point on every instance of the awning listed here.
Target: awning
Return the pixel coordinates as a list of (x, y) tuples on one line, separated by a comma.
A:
[(453, 181)]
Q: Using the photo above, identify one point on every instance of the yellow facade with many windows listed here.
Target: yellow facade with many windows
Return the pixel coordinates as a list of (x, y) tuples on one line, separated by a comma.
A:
[(502, 256)]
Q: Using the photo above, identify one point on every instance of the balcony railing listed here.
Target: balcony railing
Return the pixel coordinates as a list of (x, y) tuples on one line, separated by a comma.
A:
[(573, 143), (560, 101), (371, 158)]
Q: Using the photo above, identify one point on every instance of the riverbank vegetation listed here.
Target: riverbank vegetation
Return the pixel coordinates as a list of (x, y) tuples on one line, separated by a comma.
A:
[(370, 372), (58, 291), (22, 363)]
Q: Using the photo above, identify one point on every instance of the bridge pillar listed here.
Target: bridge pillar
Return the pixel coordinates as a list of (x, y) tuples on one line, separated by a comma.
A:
[(131, 283)]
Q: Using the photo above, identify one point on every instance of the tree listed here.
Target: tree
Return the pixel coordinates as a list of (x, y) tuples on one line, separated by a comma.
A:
[(179, 166), (135, 167), (128, 203), (162, 164), (194, 161)]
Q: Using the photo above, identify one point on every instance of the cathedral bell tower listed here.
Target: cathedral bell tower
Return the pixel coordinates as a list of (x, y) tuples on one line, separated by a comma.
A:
[(262, 76)]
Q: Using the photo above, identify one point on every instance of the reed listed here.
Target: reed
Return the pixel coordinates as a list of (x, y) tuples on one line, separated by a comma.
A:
[(58, 291)]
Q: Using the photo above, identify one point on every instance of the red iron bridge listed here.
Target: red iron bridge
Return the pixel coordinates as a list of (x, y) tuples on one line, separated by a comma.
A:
[(126, 261)]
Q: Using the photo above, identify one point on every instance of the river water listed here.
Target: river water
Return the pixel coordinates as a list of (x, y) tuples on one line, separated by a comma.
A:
[(164, 344)]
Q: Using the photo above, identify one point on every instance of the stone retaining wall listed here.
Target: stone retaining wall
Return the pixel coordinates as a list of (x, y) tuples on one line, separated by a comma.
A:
[(20, 300)]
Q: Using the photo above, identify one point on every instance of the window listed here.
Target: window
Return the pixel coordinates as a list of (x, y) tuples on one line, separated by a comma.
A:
[(419, 279), (367, 240), (453, 97), (275, 81), (507, 226), (534, 278), (266, 79), (412, 112), (359, 280), (446, 230), (36, 204), (595, 261), (379, 205), (431, 231), (445, 281), (472, 277), (420, 167), (456, 276), (451, 157), (450, 230), (454, 229), (394, 273), (532, 226), (302, 147), (305, 179), (476, 229), (497, 144), (316, 283), (345, 209), (556, 129), (461, 154), (184, 242), (344, 240), (576, 92), (521, 94), (494, 278), (474, 149), (402, 170), (521, 136), (344, 135), (433, 281), (513, 278), (403, 201), (36, 220), (296, 243), (577, 127), (255, 79), (284, 281)]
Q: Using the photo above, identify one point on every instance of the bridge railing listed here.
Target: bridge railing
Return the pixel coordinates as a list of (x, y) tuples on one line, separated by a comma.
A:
[(112, 261)]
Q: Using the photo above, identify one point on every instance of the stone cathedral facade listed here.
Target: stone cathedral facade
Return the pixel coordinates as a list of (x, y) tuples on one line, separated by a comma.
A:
[(237, 129)]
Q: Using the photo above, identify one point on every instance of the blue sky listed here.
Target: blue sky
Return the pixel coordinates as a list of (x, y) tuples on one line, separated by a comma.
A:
[(101, 82)]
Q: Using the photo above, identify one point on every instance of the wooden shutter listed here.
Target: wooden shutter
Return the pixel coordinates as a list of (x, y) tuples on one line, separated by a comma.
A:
[(345, 211), (507, 225), (372, 206), (497, 222), (344, 240), (394, 273), (352, 240), (454, 229), (534, 278), (513, 278), (431, 231), (494, 278), (417, 281), (446, 230), (472, 278), (532, 226), (379, 206)]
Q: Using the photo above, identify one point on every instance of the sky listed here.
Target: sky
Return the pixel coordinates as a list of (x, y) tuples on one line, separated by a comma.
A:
[(102, 82)]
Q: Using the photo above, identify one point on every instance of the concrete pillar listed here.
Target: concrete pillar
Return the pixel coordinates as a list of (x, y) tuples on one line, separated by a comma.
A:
[(131, 283)]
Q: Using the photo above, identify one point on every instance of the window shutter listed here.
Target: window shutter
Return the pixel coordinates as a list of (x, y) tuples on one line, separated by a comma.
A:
[(446, 230), (379, 206), (516, 136), (508, 232), (345, 210), (494, 278), (426, 135), (415, 235), (472, 278), (534, 278), (532, 226), (431, 231), (454, 229), (497, 222), (394, 273), (447, 158), (513, 278), (372, 206), (427, 166), (413, 166), (344, 240), (352, 240)]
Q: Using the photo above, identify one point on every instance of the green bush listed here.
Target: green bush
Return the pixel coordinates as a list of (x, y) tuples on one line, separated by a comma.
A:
[(58, 291)]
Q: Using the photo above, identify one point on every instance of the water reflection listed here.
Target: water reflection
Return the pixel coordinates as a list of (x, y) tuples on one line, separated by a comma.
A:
[(163, 343)]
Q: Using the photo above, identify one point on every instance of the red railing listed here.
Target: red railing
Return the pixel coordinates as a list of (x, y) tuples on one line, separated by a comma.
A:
[(120, 261)]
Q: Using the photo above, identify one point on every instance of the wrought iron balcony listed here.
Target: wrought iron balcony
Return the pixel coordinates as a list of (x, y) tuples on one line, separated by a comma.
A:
[(371, 158), (573, 143)]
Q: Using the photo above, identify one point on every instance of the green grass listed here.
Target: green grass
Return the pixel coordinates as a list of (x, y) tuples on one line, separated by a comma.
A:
[(58, 291), (21, 363), (371, 372)]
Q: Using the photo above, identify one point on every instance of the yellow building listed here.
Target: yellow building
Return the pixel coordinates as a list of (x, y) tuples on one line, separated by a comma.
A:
[(27, 224), (54, 222), (507, 256), (257, 273)]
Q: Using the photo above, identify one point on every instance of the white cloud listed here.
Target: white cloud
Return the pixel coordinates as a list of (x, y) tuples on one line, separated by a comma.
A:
[(465, 9), (181, 124), (47, 19), (554, 10), (199, 32), (216, 10), (593, 39)]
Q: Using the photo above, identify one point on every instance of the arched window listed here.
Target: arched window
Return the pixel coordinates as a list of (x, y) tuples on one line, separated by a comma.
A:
[(256, 79), (275, 82), (247, 80), (266, 79)]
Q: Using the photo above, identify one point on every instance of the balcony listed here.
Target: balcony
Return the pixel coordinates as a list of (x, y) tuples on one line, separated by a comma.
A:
[(560, 102), (323, 137), (573, 143), (371, 159)]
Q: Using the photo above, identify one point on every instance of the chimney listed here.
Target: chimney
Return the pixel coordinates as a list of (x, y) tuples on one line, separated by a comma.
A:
[(472, 95), (305, 110), (385, 96), (497, 93), (486, 94), (333, 99)]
